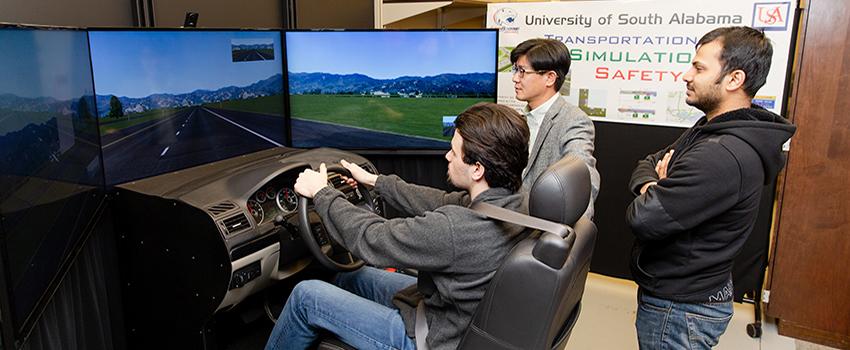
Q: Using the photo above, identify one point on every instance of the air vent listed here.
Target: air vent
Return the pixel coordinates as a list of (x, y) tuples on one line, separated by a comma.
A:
[(369, 167), (236, 223), (221, 208), (336, 180)]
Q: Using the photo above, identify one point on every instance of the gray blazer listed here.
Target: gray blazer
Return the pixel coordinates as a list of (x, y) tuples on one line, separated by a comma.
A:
[(566, 129)]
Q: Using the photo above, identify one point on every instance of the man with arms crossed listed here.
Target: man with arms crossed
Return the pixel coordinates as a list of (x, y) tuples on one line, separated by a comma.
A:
[(557, 128), (697, 200), (457, 247)]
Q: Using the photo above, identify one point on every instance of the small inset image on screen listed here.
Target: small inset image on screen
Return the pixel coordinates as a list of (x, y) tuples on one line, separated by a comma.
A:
[(449, 125), (169, 100), (385, 89), (244, 50)]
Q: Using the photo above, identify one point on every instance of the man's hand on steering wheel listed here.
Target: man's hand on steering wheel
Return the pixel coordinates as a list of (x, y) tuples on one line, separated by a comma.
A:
[(358, 175), (310, 181)]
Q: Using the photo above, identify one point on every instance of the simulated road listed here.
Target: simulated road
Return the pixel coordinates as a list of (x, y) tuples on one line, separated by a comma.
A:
[(189, 137), (252, 55), (200, 135)]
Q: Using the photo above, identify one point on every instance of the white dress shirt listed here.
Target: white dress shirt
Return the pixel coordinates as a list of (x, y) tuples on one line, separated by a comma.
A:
[(535, 118)]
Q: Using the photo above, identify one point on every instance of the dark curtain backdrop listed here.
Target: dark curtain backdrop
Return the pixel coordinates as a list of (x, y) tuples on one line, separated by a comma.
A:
[(85, 311)]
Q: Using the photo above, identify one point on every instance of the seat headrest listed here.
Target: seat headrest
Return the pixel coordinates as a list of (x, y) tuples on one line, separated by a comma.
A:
[(562, 192)]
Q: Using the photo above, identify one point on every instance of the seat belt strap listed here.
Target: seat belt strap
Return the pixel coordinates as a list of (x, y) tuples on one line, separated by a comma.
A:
[(513, 217), (421, 330)]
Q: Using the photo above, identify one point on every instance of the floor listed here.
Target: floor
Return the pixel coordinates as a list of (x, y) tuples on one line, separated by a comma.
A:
[(608, 315), (606, 322)]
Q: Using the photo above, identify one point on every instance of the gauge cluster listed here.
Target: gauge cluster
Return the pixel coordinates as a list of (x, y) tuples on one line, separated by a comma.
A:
[(277, 197), (270, 201)]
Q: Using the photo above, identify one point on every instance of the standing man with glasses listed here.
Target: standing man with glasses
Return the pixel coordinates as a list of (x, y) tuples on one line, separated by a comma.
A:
[(557, 127)]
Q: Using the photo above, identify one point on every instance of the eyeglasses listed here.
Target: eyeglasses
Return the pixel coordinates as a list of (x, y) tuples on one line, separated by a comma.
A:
[(521, 71)]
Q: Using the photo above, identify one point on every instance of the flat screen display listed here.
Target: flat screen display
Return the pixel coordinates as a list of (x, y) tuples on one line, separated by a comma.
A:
[(168, 100), (51, 175), (385, 89)]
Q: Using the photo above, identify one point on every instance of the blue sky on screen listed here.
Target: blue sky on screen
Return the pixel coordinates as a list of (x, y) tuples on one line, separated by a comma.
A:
[(387, 55), (142, 63), (44, 63), (261, 41)]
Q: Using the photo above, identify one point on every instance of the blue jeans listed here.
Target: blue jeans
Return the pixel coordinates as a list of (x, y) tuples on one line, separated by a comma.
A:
[(663, 324), (357, 308)]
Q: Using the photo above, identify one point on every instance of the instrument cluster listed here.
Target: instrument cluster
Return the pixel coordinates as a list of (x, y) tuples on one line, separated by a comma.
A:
[(270, 201), (277, 197)]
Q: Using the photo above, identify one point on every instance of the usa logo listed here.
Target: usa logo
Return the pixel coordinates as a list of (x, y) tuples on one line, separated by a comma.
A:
[(772, 15)]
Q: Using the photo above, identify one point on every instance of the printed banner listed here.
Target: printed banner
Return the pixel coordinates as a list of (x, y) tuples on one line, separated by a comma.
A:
[(628, 57)]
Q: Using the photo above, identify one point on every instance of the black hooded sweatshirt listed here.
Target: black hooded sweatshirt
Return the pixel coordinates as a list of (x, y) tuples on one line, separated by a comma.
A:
[(691, 225)]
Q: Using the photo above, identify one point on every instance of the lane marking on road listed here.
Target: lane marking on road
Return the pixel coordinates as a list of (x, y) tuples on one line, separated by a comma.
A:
[(134, 134), (178, 133), (163, 151), (244, 128)]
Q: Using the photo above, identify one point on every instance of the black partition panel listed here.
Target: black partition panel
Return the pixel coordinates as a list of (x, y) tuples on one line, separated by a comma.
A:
[(422, 168), (618, 149), (51, 175)]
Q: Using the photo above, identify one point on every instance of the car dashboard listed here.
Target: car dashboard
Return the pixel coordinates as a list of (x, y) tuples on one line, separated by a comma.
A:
[(203, 239)]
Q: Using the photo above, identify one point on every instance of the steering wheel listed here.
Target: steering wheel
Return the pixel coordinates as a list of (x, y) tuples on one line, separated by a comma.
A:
[(323, 252)]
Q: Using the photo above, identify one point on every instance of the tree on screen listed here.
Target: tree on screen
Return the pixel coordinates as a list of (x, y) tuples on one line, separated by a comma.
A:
[(116, 110)]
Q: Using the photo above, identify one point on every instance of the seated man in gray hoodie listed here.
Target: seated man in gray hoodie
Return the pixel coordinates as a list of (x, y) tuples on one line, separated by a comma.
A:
[(456, 247)]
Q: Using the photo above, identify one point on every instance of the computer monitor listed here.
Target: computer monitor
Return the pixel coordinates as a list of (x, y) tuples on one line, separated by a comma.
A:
[(383, 89), (168, 99), (51, 177)]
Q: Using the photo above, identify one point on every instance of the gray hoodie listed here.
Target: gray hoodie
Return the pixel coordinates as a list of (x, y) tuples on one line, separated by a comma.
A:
[(460, 248)]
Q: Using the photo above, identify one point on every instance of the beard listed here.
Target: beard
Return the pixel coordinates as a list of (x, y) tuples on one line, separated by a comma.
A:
[(707, 100), (449, 180), (452, 184)]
